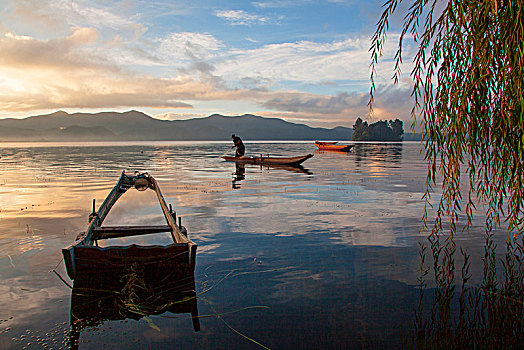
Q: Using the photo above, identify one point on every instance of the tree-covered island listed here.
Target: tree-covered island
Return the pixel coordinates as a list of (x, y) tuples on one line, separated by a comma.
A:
[(379, 131)]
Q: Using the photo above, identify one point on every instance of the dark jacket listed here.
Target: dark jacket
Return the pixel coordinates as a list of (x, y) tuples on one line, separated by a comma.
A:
[(241, 149)]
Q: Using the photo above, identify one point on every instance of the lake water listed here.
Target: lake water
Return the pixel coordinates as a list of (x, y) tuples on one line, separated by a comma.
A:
[(321, 257)]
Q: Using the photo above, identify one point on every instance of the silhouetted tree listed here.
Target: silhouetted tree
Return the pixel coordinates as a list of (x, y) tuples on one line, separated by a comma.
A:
[(360, 130), (397, 128)]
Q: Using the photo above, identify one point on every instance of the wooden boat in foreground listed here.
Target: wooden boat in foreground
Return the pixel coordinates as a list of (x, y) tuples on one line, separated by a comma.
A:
[(332, 146), (85, 256), (290, 161)]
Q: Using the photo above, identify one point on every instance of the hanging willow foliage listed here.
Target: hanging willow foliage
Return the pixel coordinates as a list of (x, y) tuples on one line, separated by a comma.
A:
[(468, 81)]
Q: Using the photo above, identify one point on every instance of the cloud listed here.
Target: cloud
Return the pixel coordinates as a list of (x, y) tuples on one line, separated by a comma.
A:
[(41, 16), (103, 16), (239, 17), (97, 93), (59, 73), (26, 52), (119, 37), (258, 83), (83, 36), (68, 72), (45, 17), (280, 3), (185, 46), (391, 102), (303, 61), (124, 52), (318, 110), (317, 103)]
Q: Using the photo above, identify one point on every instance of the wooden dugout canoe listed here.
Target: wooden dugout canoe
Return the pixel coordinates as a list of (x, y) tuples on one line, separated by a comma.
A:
[(84, 256), (291, 161), (332, 146)]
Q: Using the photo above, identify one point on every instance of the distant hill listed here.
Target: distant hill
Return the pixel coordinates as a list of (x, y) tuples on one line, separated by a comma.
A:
[(137, 126)]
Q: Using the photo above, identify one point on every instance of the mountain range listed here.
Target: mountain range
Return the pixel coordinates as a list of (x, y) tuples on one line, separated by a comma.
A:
[(137, 126)]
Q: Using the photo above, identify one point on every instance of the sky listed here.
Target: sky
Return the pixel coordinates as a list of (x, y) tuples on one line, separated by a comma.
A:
[(305, 61)]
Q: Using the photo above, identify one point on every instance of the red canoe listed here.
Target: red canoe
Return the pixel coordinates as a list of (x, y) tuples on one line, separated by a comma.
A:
[(332, 146)]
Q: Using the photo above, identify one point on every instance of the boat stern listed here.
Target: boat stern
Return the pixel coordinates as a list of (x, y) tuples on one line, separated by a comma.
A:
[(69, 261)]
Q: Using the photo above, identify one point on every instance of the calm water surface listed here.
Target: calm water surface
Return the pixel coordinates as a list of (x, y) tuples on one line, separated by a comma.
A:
[(323, 257)]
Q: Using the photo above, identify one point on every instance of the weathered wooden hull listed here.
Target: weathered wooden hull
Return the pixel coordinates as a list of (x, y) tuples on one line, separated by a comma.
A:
[(91, 258), (84, 254), (291, 161)]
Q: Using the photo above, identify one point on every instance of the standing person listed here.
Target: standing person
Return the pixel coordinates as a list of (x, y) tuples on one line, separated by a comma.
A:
[(239, 145)]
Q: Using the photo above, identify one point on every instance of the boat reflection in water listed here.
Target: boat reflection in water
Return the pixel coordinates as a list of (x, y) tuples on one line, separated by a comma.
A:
[(240, 171), (144, 286), (239, 174), (322, 151)]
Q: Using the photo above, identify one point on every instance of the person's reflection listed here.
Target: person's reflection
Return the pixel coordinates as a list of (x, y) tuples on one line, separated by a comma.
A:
[(240, 174)]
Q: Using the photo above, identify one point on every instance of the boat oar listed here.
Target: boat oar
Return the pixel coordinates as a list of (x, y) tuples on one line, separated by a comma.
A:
[(226, 152)]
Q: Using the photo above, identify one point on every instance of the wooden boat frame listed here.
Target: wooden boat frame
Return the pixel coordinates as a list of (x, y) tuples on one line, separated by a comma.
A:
[(77, 255), (289, 161)]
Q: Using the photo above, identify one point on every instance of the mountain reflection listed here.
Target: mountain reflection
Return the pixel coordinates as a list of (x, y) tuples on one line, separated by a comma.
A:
[(148, 286), (485, 316)]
